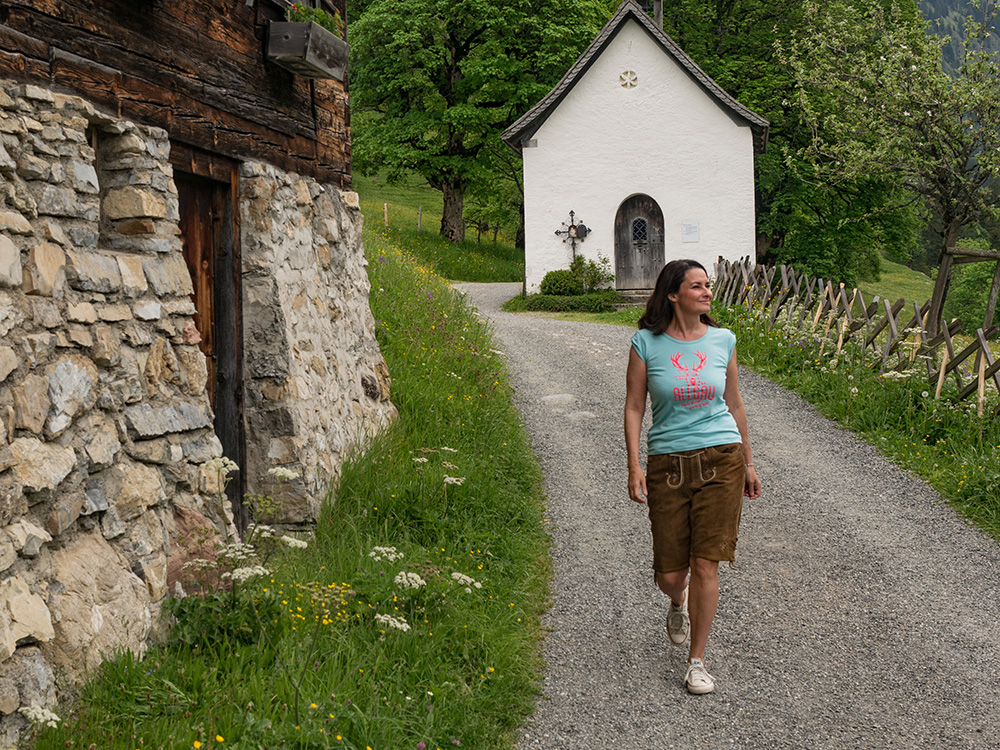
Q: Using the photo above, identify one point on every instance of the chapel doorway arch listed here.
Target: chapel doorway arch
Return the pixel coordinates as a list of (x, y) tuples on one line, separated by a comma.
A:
[(639, 249)]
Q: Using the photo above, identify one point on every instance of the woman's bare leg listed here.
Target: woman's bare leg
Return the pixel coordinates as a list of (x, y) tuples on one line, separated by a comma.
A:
[(704, 601)]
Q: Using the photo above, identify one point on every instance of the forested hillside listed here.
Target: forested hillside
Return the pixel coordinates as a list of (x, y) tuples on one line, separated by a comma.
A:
[(948, 18)]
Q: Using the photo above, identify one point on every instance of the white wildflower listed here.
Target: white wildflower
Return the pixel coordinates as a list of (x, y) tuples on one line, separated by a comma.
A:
[(854, 390), (241, 575), (393, 622), (237, 552), (263, 531), (467, 581), (220, 465), (40, 717), (454, 480), (294, 543), (387, 553), (409, 580), (420, 460), (448, 465), (283, 474), (450, 450), (925, 394)]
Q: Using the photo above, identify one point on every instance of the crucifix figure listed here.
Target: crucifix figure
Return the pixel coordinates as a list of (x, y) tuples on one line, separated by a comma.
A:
[(573, 232)]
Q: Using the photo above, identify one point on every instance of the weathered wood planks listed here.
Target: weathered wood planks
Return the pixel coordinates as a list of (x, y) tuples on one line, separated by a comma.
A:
[(193, 67)]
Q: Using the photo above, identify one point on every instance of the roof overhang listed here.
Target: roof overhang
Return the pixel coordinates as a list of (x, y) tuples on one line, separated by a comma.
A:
[(518, 134)]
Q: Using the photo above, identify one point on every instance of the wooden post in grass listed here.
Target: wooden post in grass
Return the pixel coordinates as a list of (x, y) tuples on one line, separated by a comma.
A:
[(843, 329), (385, 215), (982, 391), (420, 218), (941, 374)]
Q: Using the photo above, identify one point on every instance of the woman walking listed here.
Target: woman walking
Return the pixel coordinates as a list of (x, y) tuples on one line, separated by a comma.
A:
[(699, 463)]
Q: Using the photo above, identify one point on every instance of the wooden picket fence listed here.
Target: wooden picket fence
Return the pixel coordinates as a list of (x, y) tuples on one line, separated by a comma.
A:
[(837, 315)]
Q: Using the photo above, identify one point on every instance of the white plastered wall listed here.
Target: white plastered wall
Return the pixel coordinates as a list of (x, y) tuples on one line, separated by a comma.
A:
[(665, 137)]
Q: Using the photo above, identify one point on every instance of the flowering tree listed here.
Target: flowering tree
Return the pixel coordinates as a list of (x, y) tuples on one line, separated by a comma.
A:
[(871, 87)]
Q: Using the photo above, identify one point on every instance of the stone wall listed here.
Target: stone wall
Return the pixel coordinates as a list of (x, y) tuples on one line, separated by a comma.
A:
[(104, 416), (316, 383)]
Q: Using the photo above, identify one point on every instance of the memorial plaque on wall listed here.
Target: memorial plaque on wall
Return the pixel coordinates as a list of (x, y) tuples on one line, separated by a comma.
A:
[(689, 231)]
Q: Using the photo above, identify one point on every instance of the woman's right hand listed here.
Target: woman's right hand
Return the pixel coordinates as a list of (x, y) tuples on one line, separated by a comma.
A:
[(637, 485)]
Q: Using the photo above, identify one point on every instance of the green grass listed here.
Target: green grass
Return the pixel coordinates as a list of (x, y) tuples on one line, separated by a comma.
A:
[(898, 281), (466, 261), (314, 668), (944, 442)]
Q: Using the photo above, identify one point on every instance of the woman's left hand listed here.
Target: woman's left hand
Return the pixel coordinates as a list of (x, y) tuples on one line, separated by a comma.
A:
[(751, 484)]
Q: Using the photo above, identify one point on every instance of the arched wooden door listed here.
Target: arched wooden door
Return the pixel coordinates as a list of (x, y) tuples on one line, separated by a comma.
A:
[(639, 253)]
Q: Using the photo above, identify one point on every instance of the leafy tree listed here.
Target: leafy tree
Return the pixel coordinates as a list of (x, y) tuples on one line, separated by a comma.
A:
[(969, 294), (871, 85), (830, 230), (435, 81)]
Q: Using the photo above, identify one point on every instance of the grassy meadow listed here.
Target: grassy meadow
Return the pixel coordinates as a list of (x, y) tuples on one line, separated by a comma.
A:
[(468, 261), (412, 618)]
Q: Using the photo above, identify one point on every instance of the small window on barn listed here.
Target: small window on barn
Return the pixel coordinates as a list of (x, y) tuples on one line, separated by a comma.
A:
[(640, 231)]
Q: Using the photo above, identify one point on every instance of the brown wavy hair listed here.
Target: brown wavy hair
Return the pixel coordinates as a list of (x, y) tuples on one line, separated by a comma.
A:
[(659, 309)]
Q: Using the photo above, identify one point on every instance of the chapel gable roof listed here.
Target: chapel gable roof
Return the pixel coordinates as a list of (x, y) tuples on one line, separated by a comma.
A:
[(517, 134)]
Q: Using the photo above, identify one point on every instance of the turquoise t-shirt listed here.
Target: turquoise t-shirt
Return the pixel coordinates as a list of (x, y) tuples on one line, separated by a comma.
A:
[(686, 381)]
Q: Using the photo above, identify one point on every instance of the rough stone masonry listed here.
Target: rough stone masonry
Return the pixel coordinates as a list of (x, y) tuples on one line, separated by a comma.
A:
[(104, 416)]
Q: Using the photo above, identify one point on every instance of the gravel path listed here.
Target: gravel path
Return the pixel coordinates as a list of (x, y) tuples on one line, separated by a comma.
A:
[(863, 612)]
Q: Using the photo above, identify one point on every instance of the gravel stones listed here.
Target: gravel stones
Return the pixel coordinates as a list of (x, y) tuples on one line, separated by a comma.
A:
[(862, 612)]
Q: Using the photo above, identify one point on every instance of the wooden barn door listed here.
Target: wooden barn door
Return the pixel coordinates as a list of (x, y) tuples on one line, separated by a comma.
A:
[(206, 191), (639, 253)]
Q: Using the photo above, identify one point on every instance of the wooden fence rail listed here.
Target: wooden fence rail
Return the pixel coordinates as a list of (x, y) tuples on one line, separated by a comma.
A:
[(895, 334)]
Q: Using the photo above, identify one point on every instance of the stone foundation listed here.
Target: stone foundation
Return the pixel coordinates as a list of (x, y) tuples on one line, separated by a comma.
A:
[(104, 415), (316, 383)]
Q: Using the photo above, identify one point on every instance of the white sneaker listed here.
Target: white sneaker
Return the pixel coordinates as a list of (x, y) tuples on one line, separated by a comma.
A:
[(697, 679), (678, 622)]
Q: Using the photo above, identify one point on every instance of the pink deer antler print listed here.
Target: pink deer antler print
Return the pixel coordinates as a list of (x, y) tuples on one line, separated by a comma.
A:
[(676, 359), (689, 374)]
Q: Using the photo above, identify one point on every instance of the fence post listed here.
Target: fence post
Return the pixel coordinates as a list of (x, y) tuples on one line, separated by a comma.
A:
[(941, 373), (420, 218), (385, 214)]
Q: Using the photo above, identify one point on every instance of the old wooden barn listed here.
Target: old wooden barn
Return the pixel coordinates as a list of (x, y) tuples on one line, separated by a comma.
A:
[(181, 279)]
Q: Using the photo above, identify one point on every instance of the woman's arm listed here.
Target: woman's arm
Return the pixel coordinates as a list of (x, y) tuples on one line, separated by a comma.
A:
[(635, 407), (734, 400)]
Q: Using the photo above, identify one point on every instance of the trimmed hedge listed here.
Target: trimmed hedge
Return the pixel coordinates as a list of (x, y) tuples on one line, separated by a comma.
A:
[(603, 301)]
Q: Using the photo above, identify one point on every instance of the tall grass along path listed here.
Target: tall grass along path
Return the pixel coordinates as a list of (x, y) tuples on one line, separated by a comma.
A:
[(862, 611)]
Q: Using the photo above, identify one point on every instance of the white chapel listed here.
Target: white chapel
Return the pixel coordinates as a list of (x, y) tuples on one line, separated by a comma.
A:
[(647, 151)]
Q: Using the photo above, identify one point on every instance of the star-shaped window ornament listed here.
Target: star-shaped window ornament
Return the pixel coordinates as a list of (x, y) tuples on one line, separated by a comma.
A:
[(628, 79)]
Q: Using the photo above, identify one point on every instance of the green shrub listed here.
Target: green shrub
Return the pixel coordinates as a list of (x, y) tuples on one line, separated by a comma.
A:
[(967, 296), (592, 275), (595, 302), (562, 282)]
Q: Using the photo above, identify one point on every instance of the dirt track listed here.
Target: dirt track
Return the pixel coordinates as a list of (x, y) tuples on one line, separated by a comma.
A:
[(863, 612)]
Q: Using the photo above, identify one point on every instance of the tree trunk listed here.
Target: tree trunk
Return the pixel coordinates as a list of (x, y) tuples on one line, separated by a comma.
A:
[(936, 313), (763, 254), (991, 300), (452, 223)]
